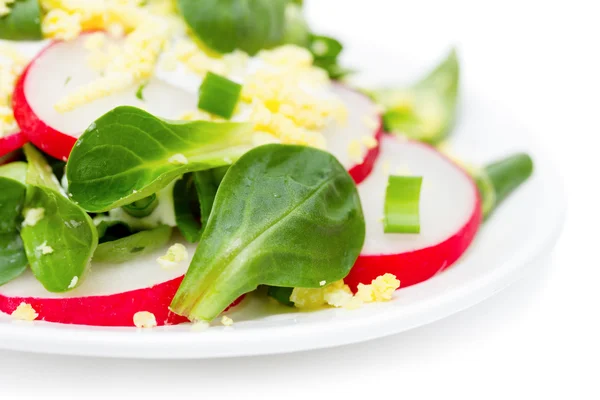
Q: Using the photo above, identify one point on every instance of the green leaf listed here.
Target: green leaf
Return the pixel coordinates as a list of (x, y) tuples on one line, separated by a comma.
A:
[(226, 25), (401, 211), (15, 170), (142, 208), (110, 230), (296, 28), (219, 95), (23, 22), (59, 247), (130, 247), (194, 196), (326, 51), (286, 216), (13, 260), (281, 294), (499, 179), (39, 172), (425, 111), (139, 93), (206, 187), (129, 154)]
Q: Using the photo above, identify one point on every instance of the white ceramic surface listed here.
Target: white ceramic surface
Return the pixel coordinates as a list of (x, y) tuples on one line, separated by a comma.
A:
[(523, 230)]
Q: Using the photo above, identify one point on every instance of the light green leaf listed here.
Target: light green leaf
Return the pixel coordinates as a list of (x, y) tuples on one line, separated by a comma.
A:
[(13, 260), (133, 246), (129, 154), (425, 111)]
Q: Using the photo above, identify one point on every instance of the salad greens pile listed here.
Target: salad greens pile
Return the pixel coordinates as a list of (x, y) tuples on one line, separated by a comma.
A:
[(284, 216)]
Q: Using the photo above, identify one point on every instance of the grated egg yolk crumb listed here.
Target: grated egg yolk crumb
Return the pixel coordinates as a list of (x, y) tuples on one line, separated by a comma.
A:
[(11, 66), (144, 319), (33, 216), (381, 289), (226, 321), (24, 312), (339, 295), (4, 8), (176, 254), (45, 249)]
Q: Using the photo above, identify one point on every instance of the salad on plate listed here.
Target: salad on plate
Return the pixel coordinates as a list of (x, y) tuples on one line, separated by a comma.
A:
[(161, 160)]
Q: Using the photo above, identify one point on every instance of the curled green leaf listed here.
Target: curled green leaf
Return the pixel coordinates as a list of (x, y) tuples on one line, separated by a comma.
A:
[(286, 216), (13, 260), (133, 246), (129, 154), (425, 111), (60, 244)]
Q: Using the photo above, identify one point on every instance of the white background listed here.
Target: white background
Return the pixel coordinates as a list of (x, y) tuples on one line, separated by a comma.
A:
[(537, 338)]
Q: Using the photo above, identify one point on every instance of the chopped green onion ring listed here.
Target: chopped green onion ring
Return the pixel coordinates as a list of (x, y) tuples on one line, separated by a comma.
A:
[(219, 95), (401, 209), (143, 207)]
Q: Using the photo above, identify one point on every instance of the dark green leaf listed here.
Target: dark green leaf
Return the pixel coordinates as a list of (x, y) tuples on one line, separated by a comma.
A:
[(425, 111), (287, 216), (281, 294), (13, 260), (226, 25), (109, 230), (129, 154), (23, 22), (187, 208), (194, 196), (130, 247), (59, 247), (499, 179)]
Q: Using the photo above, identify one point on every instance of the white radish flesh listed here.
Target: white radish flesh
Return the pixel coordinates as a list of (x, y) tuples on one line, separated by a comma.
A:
[(450, 214)]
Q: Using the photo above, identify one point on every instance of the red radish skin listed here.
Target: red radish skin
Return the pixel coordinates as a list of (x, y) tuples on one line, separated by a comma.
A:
[(12, 142), (46, 138), (360, 172), (111, 310), (416, 266)]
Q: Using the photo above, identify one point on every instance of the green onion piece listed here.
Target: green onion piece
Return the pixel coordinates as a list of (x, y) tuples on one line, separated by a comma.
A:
[(140, 91), (499, 179), (23, 22), (142, 208), (402, 204), (219, 95)]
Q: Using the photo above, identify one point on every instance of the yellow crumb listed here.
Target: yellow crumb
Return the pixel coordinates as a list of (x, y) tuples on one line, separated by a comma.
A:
[(25, 312), (226, 321), (175, 255), (144, 319)]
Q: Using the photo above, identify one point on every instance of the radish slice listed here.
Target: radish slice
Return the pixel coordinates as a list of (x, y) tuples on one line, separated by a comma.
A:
[(364, 124), (12, 142), (54, 73), (450, 212), (110, 295)]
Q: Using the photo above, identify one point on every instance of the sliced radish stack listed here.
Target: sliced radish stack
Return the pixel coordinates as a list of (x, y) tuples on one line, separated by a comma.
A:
[(59, 69), (450, 214), (110, 296)]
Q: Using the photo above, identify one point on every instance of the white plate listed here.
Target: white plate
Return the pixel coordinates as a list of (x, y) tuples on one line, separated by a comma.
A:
[(521, 231)]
